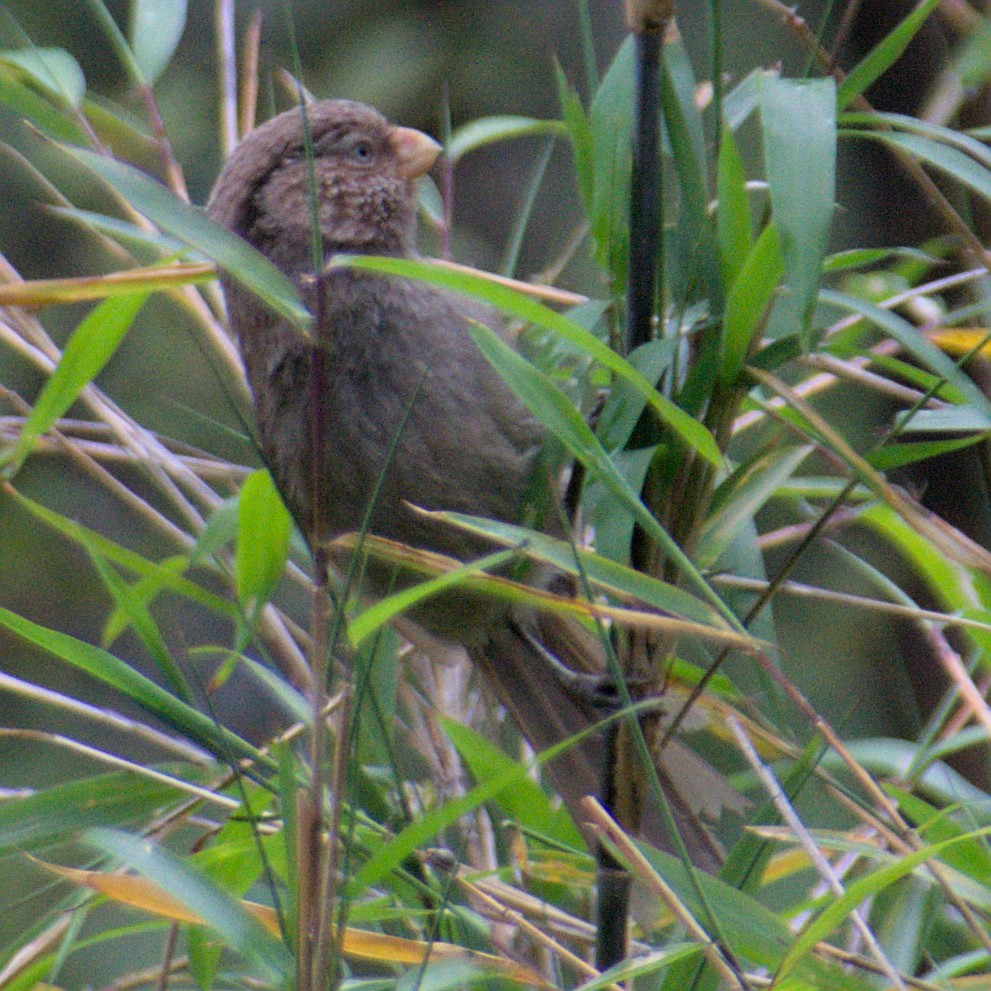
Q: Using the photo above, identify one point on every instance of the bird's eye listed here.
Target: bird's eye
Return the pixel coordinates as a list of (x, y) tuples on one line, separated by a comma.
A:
[(361, 152)]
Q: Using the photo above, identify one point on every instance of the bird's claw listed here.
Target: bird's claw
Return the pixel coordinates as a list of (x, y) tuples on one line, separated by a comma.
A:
[(598, 694)]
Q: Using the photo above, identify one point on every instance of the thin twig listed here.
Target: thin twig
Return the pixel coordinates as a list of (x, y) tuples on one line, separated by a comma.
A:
[(223, 18), (949, 660), (801, 834), (547, 293), (600, 820), (112, 760), (168, 958), (854, 371), (250, 60), (842, 31), (800, 590), (552, 272), (865, 963), (170, 164), (496, 910), (105, 718)]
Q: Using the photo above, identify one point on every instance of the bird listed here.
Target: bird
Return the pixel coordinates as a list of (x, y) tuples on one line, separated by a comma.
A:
[(414, 416)]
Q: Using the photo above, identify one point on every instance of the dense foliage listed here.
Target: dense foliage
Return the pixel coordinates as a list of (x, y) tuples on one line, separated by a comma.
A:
[(739, 527)]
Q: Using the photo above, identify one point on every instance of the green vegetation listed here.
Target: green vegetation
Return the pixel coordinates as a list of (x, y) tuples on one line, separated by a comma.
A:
[(745, 536)]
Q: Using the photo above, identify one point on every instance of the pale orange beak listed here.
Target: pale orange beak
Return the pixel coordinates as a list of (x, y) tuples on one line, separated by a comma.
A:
[(414, 150)]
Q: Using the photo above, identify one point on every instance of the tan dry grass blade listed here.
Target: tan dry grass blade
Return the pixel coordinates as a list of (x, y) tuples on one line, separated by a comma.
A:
[(432, 564), (957, 546), (360, 944), (962, 340), (47, 292)]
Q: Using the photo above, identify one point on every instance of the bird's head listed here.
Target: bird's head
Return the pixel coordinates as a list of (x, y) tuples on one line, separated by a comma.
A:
[(364, 169)]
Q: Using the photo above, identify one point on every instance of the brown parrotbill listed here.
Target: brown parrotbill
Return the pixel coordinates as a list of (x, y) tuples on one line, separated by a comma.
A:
[(413, 414)]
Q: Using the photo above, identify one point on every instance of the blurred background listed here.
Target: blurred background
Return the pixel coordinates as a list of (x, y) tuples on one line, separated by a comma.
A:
[(416, 61)]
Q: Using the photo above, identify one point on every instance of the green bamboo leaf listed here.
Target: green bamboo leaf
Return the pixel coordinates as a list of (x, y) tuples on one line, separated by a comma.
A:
[(490, 130), (742, 100), (378, 669), (145, 590), (192, 226), (234, 861), (205, 955), (421, 830), (118, 130), (884, 55), (539, 394), (948, 420), (526, 802), (853, 258), (91, 346), (611, 121), (579, 132), (143, 623), (52, 70), (950, 585), (936, 826), (691, 257), (26, 103), (914, 343), (902, 921), (96, 543), (375, 616), (682, 119), (220, 531), (741, 496), (776, 354), (748, 302), (733, 224), (604, 574), (264, 527), (429, 200), (864, 890), (53, 815), (625, 404), (391, 853), (899, 455), (155, 29), (643, 965), (219, 910), (105, 667), (750, 855), (799, 128), (953, 162), (516, 304), (902, 123), (755, 933), (895, 760), (926, 381)]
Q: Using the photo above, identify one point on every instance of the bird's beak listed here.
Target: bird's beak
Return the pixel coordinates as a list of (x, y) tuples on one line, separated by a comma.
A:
[(415, 152)]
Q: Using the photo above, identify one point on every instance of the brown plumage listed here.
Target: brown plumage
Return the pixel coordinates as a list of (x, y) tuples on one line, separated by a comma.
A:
[(396, 352)]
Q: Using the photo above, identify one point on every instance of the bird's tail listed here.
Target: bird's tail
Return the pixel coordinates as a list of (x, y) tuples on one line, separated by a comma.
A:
[(547, 710)]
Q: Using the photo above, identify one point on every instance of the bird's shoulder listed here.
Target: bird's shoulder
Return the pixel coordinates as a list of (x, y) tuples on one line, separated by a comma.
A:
[(361, 308)]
